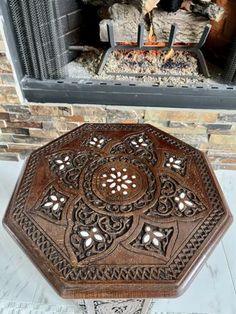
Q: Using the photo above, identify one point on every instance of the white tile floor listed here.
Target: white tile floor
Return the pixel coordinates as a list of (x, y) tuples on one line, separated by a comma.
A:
[(24, 290)]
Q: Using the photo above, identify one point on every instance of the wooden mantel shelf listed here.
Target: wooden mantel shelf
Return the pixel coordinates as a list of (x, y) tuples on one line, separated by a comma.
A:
[(117, 211)]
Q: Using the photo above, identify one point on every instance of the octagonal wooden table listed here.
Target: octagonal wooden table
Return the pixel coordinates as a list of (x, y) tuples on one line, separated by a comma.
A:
[(117, 211)]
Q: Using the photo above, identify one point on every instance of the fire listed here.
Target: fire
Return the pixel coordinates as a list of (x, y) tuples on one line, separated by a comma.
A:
[(127, 43), (151, 37), (151, 41)]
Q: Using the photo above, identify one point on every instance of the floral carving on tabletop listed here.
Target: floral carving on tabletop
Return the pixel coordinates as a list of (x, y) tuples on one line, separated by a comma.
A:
[(152, 236), (176, 201), (119, 181), (91, 236), (97, 141), (154, 239), (140, 145), (63, 163), (176, 164), (53, 204), (117, 187), (94, 233)]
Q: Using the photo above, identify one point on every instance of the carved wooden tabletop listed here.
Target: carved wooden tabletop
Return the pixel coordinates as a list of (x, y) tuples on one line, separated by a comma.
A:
[(117, 211)]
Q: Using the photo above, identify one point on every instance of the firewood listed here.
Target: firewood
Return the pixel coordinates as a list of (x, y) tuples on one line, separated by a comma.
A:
[(205, 8), (190, 26), (125, 20)]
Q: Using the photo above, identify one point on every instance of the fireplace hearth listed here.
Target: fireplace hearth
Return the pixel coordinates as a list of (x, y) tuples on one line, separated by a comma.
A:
[(124, 52)]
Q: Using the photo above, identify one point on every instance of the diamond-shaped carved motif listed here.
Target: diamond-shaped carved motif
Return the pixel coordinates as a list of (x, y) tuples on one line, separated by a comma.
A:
[(177, 164), (153, 239), (52, 204), (117, 205)]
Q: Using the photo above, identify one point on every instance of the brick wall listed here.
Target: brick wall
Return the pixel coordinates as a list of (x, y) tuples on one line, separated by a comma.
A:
[(71, 17), (25, 127)]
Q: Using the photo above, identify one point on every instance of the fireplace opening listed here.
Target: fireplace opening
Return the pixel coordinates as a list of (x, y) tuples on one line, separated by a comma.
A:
[(96, 51), (147, 44)]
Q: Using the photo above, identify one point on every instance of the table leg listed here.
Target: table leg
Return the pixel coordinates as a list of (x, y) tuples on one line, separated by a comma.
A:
[(126, 306)]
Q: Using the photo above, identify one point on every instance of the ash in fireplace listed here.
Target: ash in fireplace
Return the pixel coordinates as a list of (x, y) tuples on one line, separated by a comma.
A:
[(153, 62), (146, 64)]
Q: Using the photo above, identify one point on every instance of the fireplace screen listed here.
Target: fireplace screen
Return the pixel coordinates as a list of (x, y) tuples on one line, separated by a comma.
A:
[(147, 43)]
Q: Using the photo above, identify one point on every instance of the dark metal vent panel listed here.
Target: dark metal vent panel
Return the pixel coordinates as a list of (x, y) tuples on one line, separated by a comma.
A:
[(37, 26)]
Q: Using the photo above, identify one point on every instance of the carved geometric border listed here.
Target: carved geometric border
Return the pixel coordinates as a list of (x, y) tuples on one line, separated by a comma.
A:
[(171, 272)]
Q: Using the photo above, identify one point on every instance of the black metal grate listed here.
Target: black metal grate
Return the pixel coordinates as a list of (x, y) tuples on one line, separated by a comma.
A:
[(39, 36), (230, 67)]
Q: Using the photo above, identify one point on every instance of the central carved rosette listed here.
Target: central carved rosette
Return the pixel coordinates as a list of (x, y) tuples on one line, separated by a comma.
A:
[(119, 185)]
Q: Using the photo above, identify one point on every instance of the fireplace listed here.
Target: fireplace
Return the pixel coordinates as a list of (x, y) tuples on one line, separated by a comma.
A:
[(136, 52)]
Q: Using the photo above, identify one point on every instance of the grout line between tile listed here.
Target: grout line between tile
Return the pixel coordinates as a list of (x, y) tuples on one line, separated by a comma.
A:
[(227, 260)]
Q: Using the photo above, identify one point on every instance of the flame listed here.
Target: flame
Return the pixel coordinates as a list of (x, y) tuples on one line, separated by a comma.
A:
[(169, 55), (151, 41), (127, 43), (151, 36)]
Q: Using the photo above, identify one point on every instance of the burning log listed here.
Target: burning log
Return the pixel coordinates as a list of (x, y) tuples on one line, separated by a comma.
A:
[(205, 8), (125, 19), (190, 26)]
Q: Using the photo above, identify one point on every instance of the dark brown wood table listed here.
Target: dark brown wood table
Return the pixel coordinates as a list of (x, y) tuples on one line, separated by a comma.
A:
[(117, 211)]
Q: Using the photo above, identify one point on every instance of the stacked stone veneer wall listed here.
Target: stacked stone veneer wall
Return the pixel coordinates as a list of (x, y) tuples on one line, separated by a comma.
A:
[(25, 127)]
